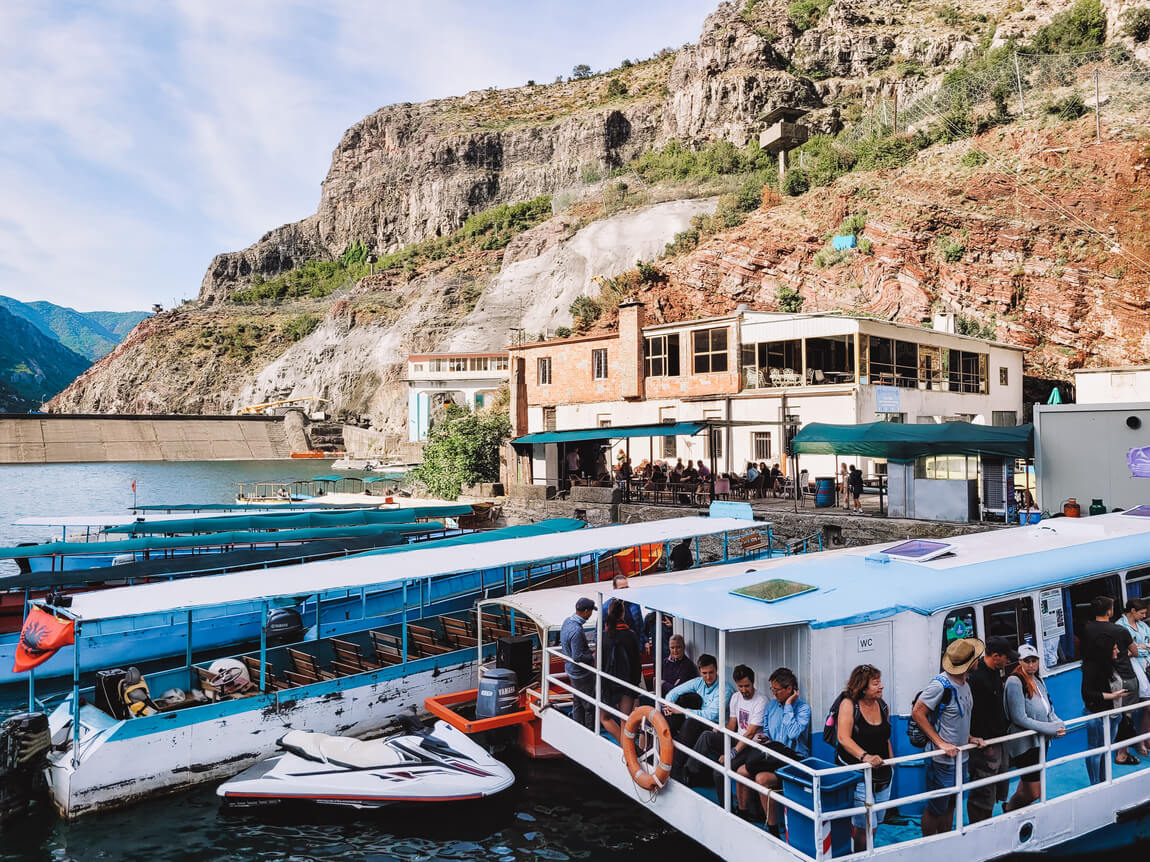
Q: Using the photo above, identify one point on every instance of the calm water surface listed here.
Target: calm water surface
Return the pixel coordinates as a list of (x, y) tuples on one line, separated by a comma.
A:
[(556, 811)]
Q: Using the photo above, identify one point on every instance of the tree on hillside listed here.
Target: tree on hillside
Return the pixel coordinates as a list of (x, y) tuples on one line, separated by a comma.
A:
[(581, 71), (461, 450)]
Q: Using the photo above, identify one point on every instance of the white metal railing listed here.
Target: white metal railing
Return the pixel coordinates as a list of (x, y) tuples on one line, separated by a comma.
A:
[(870, 808)]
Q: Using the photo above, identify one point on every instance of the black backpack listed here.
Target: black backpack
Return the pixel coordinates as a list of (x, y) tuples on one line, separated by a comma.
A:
[(914, 733), (830, 726)]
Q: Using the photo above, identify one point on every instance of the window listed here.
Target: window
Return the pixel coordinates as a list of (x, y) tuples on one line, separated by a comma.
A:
[(478, 363), (966, 371), (897, 418), (710, 350), (418, 366), (1003, 376), (761, 445), (929, 367), (599, 363), (959, 623), (603, 420), (906, 364), (548, 418), (499, 363), (435, 365), (545, 371), (667, 417), (1004, 418), (946, 467), (662, 352), (713, 441), (457, 363), (1061, 642), (1012, 619)]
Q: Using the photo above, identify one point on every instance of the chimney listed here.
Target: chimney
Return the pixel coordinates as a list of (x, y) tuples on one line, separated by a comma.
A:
[(518, 385), (944, 322), (631, 350)]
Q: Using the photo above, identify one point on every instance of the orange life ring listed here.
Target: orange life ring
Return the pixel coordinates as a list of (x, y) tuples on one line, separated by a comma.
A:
[(648, 780)]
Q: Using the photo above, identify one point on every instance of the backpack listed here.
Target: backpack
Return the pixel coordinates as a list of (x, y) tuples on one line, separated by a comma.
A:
[(830, 726), (914, 733)]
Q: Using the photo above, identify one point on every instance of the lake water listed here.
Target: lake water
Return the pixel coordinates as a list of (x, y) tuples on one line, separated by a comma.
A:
[(556, 811)]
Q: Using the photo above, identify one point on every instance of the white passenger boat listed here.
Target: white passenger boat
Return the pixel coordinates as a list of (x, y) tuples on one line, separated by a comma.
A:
[(355, 676), (824, 614)]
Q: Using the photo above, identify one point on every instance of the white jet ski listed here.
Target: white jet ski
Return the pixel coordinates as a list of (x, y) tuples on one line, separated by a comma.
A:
[(413, 765)]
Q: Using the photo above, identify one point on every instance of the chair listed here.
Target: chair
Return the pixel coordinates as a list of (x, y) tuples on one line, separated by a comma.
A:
[(819, 376), (810, 376), (307, 665), (348, 653), (776, 377)]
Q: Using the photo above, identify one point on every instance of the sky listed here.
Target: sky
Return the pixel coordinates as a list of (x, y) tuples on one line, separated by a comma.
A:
[(138, 138)]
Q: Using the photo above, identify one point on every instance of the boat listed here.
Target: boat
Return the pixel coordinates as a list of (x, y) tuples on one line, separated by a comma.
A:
[(895, 606), (166, 636), (387, 646), (414, 765)]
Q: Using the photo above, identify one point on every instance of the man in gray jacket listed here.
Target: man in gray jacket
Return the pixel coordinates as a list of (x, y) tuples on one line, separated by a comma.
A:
[(573, 641)]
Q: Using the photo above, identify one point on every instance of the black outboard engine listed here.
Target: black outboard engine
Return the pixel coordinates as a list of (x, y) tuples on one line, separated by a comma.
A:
[(24, 744), (284, 626)]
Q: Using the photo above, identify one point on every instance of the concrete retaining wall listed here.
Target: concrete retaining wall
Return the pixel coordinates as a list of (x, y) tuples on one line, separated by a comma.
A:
[(54, 439)]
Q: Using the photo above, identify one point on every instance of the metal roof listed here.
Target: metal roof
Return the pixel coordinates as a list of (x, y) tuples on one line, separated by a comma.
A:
[(615, 432)]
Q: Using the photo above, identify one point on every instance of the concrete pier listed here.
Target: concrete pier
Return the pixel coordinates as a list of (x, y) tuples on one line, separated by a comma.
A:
[(35, 438)]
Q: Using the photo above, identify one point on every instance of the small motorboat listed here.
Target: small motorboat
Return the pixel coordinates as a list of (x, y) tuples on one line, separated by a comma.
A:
[(415, 765)]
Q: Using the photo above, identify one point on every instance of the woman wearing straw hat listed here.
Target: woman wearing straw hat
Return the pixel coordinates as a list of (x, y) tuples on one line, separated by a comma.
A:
[(943, 712)]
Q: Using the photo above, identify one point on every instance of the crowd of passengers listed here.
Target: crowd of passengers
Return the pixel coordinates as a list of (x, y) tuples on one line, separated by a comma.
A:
[(985, 691)]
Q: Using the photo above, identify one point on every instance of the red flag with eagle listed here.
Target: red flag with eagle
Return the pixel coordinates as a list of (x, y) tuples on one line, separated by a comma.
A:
[(42, 635)]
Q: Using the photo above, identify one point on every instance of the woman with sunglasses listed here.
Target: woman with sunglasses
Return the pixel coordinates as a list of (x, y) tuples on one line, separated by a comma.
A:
[(1028, 707)]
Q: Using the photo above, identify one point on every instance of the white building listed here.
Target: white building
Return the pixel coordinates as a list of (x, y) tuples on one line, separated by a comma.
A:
[(433, 379), (757, 368), (1112, 385)]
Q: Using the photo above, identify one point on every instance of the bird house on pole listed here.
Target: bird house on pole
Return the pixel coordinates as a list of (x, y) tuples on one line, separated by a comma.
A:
[(784, 132)]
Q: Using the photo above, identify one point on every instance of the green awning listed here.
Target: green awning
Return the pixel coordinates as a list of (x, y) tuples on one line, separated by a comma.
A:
[(899, 442), (618, 432)]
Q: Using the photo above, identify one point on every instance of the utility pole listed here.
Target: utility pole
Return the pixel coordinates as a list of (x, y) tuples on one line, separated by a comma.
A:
[(895, 110), (1097, 107)]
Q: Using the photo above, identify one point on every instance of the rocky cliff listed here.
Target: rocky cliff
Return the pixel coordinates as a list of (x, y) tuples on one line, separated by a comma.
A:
[(408, 181)]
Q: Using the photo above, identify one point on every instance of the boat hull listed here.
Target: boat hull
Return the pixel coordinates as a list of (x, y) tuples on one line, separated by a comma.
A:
[(215, 741)]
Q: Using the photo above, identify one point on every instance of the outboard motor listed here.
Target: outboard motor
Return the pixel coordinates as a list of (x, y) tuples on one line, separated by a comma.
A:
[(24, 744), (284, 626)]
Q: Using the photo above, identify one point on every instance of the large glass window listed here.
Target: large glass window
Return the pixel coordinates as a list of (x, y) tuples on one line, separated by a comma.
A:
[(946, 467), (880, 357), (458, 363), (1060, 633), (662, 352), (710, 350), (930, 367), (544, 370), (959, 623), (830, 359), (966, 371)]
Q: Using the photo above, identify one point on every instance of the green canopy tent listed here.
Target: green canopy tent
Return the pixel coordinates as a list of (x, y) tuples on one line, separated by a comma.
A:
[(897, 442)]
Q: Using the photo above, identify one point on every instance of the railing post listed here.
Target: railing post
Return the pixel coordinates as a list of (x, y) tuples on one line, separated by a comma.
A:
[(599, 665), (76, 695), (1041, 769), (264, 649), (545, 670), (960, 825), (723, 718), (1107, 764), (725, 553), (403, 622), (868, 777), (817, 810), (658, 654)]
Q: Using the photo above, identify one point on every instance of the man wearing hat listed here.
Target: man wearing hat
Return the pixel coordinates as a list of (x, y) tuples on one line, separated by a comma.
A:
[(573, 640), (988, 721), (943, 711)]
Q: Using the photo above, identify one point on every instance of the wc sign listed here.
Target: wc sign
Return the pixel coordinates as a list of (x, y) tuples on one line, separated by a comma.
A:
[(866, 643)]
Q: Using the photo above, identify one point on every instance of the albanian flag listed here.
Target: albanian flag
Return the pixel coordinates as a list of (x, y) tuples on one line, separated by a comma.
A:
[(40, 637)]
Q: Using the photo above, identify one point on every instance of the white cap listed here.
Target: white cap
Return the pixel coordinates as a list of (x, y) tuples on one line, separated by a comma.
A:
[(1027, 651)]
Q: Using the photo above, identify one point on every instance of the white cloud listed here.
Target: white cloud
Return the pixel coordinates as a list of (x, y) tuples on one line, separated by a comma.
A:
[(142, 138)]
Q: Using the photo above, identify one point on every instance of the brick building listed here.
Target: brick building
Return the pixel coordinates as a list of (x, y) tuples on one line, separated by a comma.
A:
[(751, 372)]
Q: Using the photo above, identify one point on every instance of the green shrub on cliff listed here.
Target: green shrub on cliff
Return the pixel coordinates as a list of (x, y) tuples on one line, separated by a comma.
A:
[(462, 449), (1079, 28)]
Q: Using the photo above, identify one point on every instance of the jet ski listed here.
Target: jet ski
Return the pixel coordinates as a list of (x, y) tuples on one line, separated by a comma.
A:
[(413, 765)]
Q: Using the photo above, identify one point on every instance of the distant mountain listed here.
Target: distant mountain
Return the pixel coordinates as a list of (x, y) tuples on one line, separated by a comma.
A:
[(34, 366), (91, 334)]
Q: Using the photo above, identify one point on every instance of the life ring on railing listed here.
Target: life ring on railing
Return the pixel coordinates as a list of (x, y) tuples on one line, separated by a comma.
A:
[(655, 780)]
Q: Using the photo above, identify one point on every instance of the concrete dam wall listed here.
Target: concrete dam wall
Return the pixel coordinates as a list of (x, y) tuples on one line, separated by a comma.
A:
[(58, 439)]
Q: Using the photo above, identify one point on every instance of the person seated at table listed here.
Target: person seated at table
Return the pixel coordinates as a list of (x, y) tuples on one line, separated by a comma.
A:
[(776, 479), (676, 476), (690, 474), (704, 472)]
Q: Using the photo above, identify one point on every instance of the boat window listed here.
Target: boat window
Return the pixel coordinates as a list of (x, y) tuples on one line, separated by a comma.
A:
[(1012, 619), (1060, 643), (1138, 583), (959, 623)]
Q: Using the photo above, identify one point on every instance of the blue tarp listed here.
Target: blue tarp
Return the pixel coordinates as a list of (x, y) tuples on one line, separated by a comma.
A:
[(289, 521), (899, 442)]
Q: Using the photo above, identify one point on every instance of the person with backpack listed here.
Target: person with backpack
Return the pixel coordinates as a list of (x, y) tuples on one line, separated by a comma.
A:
[(860, 728), (988, 721), (942, 713), (620, 660)]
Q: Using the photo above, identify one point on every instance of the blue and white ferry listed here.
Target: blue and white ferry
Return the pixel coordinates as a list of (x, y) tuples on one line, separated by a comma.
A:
[(400, 637), (895, 606)]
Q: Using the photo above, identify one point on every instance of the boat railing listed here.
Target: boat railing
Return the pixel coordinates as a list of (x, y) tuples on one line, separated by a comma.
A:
[(823, 819)]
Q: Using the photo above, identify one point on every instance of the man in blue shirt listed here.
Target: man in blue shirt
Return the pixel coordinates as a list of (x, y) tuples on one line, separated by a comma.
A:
[(787, 730), (699, 696), (573, 641), (632, 613)]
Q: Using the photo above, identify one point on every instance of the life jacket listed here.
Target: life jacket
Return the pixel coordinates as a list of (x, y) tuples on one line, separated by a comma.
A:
[(136, 697)]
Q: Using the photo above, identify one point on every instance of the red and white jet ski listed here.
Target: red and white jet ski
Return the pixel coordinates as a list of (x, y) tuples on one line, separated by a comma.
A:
[(414, 765)]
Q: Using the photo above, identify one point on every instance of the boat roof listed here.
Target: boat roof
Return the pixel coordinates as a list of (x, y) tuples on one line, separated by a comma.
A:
[(162, 543), (288, 584), (858, 585), (242, 507), (290, 520), (108, 519)]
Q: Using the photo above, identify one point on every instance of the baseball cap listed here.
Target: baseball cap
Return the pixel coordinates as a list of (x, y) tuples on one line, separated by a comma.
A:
[(1027, 651), (1001, 646), (584, 604)]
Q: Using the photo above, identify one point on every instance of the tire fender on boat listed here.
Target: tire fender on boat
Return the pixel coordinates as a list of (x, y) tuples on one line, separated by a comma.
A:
[(652, 781)]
